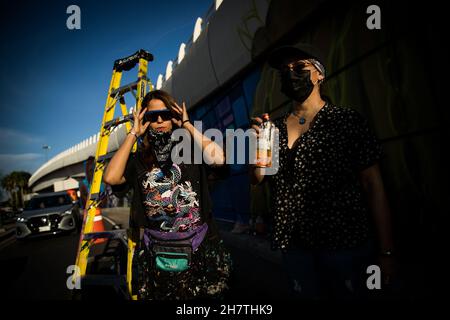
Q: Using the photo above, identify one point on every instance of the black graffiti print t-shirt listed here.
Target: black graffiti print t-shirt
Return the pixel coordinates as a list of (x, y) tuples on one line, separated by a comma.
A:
[(177, 200), (170, 200), (318, 201)]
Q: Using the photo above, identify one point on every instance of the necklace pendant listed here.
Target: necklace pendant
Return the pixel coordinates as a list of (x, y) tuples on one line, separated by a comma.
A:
[(301, 120)]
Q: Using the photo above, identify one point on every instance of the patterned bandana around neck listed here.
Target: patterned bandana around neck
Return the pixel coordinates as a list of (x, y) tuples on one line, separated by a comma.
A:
[(162, 144)]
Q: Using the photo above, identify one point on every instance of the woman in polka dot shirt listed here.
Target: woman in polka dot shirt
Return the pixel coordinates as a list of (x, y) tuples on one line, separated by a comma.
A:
[(329, 206)]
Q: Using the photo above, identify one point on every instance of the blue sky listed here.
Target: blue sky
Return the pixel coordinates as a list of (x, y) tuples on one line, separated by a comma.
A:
[(54, 81)]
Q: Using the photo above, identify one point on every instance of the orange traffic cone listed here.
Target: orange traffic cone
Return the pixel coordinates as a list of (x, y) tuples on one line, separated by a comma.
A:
[(98, 225)]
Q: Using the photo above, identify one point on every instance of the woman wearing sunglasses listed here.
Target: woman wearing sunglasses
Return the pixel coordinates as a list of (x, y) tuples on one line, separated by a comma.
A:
[(179, 253)]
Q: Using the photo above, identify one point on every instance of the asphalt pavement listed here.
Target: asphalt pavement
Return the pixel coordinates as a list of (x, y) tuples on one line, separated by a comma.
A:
[(36, 269)]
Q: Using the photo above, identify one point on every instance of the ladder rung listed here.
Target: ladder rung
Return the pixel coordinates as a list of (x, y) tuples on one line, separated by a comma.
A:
[(94, 196), (105, 157), (124, 89), (117, 121), (112, 234), (120, 234)]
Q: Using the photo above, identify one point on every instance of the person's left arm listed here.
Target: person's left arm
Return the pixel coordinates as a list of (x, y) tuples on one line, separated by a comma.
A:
[(212, 152), (372, 184), (366, 152)]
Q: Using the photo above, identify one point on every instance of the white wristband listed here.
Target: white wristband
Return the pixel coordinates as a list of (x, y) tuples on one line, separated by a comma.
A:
[(134, 133)]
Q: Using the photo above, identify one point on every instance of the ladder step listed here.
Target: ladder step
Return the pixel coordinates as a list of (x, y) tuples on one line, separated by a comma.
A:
[(94, 196), (112, 234), (120, 234), (115, 122), (128, 63), (105, 157), (124, 89), (98, 196)]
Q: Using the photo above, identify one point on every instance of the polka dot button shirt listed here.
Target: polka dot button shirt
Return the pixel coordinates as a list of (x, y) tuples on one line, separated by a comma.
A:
[(317, 199)]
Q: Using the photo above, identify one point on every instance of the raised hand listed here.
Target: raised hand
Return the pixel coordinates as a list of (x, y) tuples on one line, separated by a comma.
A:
[(139, 128), (181, 113)]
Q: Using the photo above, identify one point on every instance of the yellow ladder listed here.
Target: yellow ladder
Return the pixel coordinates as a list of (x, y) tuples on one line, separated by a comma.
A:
[(115, 94)]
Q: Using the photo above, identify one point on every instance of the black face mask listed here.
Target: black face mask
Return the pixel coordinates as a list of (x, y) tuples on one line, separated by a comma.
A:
[(296, 85)]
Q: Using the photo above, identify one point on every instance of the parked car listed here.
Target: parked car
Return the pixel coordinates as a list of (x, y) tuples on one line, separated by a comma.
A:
[(48, 213), (6, 215)]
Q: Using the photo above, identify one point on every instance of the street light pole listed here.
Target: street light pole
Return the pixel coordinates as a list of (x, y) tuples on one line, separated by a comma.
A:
[(46, 148)]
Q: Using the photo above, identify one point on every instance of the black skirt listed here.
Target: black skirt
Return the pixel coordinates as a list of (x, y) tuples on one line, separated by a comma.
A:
[(207, 277)]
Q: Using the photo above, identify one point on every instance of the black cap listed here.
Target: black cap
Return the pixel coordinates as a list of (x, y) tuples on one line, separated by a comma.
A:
[(282, 55)]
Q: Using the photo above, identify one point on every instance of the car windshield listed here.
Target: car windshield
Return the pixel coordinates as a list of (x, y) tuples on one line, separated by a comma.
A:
[(48, 202)]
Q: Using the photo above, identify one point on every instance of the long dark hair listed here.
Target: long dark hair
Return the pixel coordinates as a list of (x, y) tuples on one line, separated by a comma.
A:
[(145, 151)]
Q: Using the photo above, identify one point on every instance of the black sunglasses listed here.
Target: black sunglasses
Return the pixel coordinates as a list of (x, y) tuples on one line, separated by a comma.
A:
[(152, 116)]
